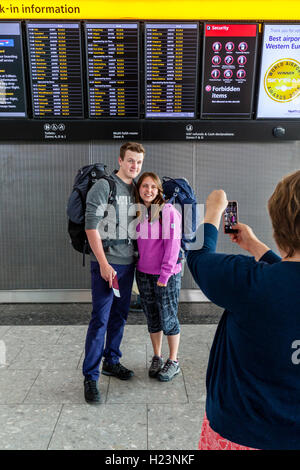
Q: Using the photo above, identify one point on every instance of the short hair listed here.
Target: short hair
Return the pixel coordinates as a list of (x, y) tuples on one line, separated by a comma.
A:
[(133, 146), (284, 210)]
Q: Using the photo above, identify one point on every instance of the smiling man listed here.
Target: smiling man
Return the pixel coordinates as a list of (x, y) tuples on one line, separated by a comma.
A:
[(110, 260)]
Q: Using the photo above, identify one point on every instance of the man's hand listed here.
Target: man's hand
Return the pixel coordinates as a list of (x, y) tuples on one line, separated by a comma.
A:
[(107, 273), (246, 239)]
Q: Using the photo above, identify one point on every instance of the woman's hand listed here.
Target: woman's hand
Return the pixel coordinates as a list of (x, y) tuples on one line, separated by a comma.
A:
[(245, 236), (160, 284), (217, 200), (216, 203), (246, 239)]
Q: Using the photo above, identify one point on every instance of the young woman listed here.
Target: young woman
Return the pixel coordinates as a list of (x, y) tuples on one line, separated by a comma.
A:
[(253, 380), (158, 273)]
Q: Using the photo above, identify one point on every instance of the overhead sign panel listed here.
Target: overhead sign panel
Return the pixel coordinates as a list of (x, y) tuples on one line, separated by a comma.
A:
[(171, 51), (228, 73), (12, 86), (113, 69), (55, 69), (279, 83)]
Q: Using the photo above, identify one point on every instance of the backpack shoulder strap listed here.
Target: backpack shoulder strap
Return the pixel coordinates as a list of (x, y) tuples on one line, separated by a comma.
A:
[(112, 188)]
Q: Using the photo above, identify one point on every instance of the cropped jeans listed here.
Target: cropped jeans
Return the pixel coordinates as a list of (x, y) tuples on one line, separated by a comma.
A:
[(160, 304)]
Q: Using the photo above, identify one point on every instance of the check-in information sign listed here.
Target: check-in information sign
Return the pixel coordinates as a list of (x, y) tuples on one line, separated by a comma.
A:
[(228, 70), (279, 86)]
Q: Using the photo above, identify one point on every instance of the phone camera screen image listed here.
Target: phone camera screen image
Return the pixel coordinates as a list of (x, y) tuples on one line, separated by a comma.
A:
[(230, 217)]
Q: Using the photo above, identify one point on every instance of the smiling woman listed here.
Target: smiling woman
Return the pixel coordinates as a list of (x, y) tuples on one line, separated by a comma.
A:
[(158, 273)]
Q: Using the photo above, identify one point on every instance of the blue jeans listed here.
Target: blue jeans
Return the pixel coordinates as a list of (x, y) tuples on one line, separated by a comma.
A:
[(109, 317), (160, 304)]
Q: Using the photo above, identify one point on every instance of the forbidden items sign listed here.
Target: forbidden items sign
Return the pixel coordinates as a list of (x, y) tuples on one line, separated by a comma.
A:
[(228, 71)]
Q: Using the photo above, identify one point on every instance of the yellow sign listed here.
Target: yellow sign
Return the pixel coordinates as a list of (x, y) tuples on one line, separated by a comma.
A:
[(150, 9), (282, 80)]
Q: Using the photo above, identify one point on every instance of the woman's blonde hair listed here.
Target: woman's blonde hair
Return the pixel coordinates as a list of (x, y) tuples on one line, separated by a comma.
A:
[(284, 209), (158, 201)]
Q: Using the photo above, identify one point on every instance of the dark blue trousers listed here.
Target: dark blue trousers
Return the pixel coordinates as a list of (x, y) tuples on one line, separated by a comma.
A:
[(108, 319)]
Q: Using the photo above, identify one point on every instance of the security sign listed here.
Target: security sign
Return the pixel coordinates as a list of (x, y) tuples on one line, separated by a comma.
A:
[(228, 71)]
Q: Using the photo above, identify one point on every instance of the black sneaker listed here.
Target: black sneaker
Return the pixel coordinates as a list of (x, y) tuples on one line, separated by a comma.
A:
[(117, 370), (156, 366), (91, 392)]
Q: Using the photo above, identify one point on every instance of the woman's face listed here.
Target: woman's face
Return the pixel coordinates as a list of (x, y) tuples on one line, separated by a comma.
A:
[(148, 190)]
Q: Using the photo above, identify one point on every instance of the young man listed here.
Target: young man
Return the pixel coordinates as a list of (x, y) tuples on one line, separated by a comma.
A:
[(109, 312)]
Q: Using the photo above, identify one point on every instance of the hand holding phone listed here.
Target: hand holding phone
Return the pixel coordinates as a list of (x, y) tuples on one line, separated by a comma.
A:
[(230, 217)]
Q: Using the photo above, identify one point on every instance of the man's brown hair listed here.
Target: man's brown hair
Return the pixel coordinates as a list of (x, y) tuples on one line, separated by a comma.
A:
[(133, 146), (284, 209)]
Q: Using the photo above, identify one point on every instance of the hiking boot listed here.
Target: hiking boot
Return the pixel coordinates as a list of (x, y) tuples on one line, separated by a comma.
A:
[(91, 392), (169, 370), (156, 366), (117, 370)]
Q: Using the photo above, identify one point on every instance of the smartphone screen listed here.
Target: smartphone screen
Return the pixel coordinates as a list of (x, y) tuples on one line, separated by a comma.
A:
[(230, 217)]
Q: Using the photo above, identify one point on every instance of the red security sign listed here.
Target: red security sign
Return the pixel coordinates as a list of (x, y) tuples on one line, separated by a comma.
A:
[(228, 70)]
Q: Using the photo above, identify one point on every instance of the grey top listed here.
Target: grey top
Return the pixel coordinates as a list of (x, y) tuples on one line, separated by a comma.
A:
[(115, 223)]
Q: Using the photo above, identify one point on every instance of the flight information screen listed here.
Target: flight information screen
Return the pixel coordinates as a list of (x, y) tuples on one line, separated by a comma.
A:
[(55, 69), (12, 86), (171, 51), (113, 69), (228, 73)]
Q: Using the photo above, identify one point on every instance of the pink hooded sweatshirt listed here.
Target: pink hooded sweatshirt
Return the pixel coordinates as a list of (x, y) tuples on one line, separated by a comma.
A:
[(159, 244)]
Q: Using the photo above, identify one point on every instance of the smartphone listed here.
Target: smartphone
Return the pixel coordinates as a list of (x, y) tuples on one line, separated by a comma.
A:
[(230, 217), (115, 286)]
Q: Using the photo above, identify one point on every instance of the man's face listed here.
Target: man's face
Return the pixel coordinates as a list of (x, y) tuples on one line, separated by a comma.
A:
[(131, 166)]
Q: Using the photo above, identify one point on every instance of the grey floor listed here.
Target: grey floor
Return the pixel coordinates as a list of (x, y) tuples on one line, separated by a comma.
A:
[(41, 392)]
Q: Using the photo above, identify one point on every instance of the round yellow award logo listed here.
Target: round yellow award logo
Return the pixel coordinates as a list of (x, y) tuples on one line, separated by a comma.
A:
[(282, 80)]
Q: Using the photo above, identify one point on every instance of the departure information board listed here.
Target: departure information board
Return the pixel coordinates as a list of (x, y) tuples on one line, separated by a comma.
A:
[(228, 70), (113, 69), (55, 69), (171, 51), (12, 86)]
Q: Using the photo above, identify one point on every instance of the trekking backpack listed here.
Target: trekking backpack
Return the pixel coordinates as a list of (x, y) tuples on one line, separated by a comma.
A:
[(179, 191), (84, 180)]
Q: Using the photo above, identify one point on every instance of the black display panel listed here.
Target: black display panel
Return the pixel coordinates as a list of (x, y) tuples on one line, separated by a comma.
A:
[(55, 69), (113, 69), (12, 85), (171, 66), (228, 74)]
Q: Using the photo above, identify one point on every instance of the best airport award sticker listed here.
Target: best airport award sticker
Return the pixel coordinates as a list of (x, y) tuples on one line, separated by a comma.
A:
[(282, 80)]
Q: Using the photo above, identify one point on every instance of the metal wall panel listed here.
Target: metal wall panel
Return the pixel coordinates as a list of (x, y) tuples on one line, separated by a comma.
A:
[(248, 173), (35, 183), (36, 180)]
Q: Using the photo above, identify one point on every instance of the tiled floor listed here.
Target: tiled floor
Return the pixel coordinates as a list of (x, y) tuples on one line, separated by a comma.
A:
[(41, 392)]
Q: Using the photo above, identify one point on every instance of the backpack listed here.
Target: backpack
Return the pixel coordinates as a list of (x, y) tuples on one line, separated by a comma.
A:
[(84, 180), (180, 192)]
